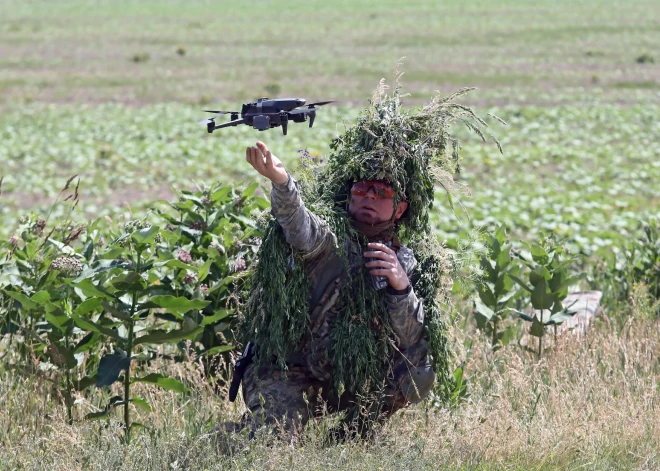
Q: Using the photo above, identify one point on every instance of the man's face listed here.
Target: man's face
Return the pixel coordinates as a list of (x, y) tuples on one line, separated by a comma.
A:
[(372, 202)]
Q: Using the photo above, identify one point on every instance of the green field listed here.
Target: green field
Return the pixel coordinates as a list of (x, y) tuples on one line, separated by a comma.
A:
[(110, 91), (96, 51)]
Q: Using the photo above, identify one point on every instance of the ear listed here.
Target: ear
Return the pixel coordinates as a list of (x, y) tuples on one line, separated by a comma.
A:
[(400, 209)]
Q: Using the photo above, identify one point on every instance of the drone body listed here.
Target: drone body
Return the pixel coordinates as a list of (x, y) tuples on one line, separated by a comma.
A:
[(265, 114)]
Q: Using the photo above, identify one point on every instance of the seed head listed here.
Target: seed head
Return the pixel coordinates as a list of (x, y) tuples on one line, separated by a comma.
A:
[(67, 266), (237, 265), (184, 256), (198, 225), (39, 226), (189, 279)]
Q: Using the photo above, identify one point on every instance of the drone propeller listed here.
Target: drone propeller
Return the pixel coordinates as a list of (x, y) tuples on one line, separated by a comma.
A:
[(303, 110), (220, 112), (321, 103)]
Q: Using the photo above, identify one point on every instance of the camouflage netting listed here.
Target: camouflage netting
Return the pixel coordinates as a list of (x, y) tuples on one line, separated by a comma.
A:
[(414, 152)]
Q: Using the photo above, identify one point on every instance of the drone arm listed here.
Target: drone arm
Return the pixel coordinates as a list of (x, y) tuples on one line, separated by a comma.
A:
[(230, 123)]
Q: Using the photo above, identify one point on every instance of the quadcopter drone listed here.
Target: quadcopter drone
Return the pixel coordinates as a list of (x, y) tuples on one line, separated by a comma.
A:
[(266, 114)]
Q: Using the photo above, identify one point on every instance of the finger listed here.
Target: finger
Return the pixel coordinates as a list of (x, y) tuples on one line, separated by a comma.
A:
[(380, 255), (379, 246), (386, 272), (269, 159), (249, 156), (378, 264), (262, 147), (257, 159)]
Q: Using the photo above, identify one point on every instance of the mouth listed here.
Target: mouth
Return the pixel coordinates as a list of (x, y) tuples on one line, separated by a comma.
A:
[(369, 208)]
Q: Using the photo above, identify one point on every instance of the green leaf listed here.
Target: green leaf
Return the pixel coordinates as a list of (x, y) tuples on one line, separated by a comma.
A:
[(89, 289), (26, 303), (560, 317), (84, 383), (129, 282), (539, 254), (164, 382), (141, 403), (41, 297), (261, 202), (541, 299), (245, 220), (500, 235), (503, 259), (216, 350), (221, 193), (483, 309), (161, 336), (249, 191), (173, 263), (110, 367), (520, 283), (89, 305), (145, 236), (487, 296), (216, 317), (115, 401), (204, 270), (113, 311), (489, 271), (88, 325), (523, 315), (103, 265), (173, 304), (87, 342), (58, 319), (537, 329)]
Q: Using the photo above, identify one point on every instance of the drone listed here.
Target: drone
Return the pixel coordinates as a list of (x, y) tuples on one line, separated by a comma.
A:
[(266, 114)]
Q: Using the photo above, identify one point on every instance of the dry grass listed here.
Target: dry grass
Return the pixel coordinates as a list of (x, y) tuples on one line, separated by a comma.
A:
[(590, 403)]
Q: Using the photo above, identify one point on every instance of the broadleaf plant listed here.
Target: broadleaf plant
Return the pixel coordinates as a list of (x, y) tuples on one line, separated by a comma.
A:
[(495, 287), (547, 286)]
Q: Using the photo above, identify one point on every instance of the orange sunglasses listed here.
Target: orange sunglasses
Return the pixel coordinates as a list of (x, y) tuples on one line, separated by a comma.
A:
[(381, 189)]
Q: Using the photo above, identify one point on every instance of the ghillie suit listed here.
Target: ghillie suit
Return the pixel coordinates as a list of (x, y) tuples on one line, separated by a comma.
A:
[(329, 324)]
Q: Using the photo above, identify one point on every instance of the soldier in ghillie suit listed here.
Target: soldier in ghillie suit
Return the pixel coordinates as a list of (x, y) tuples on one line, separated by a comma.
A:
[(344, 302)]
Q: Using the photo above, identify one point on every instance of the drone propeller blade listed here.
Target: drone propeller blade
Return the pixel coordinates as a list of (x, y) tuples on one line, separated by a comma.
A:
[(321, 103), (302, 110), (220, 112), (205, 121)]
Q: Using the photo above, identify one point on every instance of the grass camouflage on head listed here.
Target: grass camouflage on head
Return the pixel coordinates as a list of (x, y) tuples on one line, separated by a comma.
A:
[(412, 151)]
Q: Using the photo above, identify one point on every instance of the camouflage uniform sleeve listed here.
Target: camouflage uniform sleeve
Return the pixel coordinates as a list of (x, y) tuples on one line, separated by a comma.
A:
[(406, 311), (304, 230)]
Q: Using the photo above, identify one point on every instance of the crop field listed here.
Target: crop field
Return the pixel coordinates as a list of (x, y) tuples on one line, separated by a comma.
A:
[(104, 96)]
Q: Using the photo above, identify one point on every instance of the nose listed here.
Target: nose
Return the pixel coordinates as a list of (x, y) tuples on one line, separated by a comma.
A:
[(371, 193)]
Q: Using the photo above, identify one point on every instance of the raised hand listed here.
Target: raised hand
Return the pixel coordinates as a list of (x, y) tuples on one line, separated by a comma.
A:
[(266, 163)]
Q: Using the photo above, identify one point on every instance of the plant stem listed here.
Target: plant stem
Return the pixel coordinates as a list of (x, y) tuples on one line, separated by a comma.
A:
[(67, 392), (129, 353), (494, 341)]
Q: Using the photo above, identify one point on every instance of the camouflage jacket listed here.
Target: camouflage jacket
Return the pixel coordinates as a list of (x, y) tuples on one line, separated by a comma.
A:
[(314, 240)]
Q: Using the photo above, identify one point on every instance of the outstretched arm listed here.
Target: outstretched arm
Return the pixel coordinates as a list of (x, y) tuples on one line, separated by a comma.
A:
[(302, 229)]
